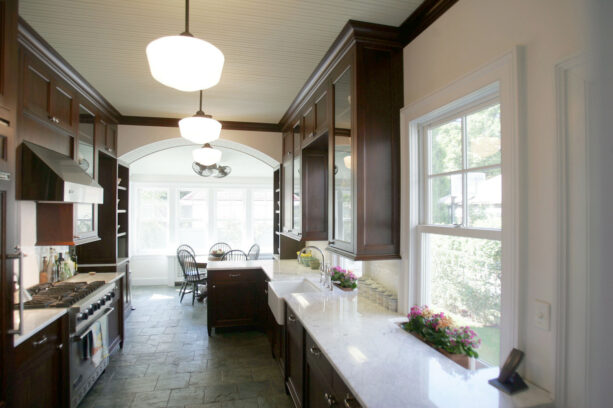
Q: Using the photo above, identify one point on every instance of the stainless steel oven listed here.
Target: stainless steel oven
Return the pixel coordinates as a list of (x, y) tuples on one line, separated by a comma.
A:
[(98, 314)]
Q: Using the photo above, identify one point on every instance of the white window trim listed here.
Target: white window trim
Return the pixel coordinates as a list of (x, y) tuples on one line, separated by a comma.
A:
[(501, 76)]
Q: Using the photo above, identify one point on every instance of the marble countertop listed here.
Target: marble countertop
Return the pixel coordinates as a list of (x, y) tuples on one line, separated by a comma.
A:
[(108, 277), (383, 365), (387, 367), (275, 270), (34, 320)]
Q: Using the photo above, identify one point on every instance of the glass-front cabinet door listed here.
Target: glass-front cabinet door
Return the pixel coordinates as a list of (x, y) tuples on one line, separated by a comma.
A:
[(343, 162), (85, 151), (85, 214), (84, 220), (297, 194)]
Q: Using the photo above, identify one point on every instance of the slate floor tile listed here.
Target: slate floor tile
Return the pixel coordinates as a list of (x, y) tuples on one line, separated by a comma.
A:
[(169, 361)]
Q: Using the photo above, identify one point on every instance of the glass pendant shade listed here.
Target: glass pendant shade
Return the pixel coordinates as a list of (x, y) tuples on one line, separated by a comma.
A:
[(184, 62), (200, 129), (206, 155)]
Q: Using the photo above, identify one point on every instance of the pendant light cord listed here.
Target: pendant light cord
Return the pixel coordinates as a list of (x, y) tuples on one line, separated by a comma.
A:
[(186, 32), (187, 16), (200, 100)]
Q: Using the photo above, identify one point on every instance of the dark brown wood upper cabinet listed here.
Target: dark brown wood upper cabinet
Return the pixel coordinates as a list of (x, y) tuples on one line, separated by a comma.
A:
[(36, 88), (47, 97), (297, 183), (355, 96), (108, 137), (321, 114), (288, 176), (308, 121)]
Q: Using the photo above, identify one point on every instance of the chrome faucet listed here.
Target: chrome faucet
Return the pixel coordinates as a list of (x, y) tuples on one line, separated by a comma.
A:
[(323, 268)]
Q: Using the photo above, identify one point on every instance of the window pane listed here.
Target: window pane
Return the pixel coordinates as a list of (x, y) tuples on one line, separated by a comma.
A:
[(483, 131), (230, 223), (446, 147), (193, 219), (465, 283), (446, 199), (152, 213), (485, 198)]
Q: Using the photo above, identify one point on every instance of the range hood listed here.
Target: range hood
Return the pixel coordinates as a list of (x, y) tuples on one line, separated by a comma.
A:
[(50, 176)]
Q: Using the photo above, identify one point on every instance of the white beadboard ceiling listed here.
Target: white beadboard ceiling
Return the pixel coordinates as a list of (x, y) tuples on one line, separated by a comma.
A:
[(270, 47)]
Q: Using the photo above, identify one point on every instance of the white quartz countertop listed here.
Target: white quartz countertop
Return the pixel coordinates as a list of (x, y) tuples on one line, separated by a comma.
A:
[(386, 367), (276, 270), (34, 320), (108, 277), (382, 364)]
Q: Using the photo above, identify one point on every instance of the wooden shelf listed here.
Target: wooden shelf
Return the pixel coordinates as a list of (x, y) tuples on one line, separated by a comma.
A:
[(122, 188), (121, 234), (121, 211)]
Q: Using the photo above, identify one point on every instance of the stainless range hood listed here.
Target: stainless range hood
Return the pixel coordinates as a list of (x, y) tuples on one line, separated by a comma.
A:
[(50, 176)]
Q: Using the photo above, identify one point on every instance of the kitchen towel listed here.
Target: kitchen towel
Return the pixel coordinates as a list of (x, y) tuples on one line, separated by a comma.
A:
[(98, 345)]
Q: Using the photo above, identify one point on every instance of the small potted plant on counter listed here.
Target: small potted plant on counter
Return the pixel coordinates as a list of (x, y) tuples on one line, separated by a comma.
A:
[(441, 333), (344, 279)]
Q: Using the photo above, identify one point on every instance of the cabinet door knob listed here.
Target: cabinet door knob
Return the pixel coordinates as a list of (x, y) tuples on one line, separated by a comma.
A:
[(235, 275), (291, 318), (349, 401), (315, 351), (60, 346), (330, 399), (40, 342)]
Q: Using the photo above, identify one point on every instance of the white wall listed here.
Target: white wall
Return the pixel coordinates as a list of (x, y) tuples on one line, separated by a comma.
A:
[(468, 36)]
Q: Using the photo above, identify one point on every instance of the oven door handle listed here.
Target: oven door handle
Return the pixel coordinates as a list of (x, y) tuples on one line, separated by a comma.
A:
[(89, 329)]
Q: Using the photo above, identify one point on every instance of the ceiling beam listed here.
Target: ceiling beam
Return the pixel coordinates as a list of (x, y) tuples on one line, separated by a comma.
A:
[(423, 16), (174, 122)]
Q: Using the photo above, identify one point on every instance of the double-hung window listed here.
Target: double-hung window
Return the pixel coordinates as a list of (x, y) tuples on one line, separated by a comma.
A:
[(460, 219), (152, 216), (193, 218)]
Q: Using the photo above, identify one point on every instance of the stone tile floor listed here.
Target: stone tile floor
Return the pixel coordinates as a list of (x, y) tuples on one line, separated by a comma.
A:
[(168, 360)]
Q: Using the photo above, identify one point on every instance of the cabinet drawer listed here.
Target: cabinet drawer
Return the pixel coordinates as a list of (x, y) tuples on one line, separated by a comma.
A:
[(48, 338), (292, 324), (242, 275), (342, 393), (317, 360)]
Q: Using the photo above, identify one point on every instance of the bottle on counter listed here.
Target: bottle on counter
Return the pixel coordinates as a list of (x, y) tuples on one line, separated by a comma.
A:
[(61, 267), (42, 276), (68, 266), (55, 270)]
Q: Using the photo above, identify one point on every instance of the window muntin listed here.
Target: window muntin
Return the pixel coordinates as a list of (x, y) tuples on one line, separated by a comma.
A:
[(462, 158), (461, 186)]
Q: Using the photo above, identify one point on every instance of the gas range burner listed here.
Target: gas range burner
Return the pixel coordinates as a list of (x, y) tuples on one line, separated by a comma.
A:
[(60, 294)]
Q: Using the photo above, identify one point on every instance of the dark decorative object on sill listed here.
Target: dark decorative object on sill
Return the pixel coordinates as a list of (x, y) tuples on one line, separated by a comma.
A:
[(213, 170), (509, 381)]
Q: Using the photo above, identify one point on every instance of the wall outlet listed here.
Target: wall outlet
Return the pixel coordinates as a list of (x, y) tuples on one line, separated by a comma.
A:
[(542, 314)]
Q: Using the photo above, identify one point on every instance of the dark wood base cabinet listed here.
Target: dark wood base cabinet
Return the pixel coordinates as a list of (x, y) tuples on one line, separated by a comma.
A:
[(294, 357), (310, 379), (236, 297), (41, 374)]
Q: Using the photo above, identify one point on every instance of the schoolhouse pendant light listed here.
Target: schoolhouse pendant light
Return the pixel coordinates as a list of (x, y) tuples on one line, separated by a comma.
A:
[(200, 128), (206, 155), (184, 62)]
